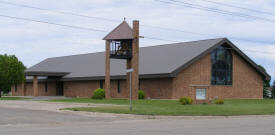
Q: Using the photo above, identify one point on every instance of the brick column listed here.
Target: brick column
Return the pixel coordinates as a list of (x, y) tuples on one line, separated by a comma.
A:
[(135, 60), (107, 71), (35, 86)]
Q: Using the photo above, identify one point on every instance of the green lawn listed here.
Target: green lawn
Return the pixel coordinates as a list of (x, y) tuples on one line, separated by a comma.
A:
[(13, 98), (173, 107)]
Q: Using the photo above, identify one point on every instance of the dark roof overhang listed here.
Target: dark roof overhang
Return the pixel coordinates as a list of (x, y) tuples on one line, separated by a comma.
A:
[(45, 73), (114, 77)]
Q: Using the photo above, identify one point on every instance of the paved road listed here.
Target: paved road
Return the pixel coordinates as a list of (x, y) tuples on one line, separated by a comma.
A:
[(22, 121)]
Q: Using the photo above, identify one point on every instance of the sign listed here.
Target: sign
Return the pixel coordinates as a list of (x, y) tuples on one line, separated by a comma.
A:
[(129, 70)]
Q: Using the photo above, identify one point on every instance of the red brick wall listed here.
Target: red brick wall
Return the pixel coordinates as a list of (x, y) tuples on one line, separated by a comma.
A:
[(247, 82), (157, 88), (80, 88), (19, 91), (124, 93), (86, 88), (153, 88), (29, 89)]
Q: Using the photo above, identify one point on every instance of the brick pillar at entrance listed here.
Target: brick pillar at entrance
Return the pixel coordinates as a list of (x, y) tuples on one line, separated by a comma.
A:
[(35, 86)]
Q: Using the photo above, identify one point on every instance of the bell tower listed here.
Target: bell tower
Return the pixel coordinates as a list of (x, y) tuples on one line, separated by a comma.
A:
[(123, 43)]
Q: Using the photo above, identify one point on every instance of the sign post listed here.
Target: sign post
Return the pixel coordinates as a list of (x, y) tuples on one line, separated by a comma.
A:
[(130, 81)]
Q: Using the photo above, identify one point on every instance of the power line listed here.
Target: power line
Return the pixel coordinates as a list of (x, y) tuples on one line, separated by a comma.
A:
[(60, 12), (92, 29), (239, 7), (99, 18), (114, 20), (199, 7), (75, 27), (57, 24), (161, 39), (263, 52), (177, 30)]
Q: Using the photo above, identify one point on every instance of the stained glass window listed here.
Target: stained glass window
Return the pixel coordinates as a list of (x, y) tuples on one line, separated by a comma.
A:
[(221, 59)]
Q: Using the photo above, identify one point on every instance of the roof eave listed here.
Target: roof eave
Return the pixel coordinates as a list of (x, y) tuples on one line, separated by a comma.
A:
[(113, 77), (45, 73), (251, 62), (115, 35)]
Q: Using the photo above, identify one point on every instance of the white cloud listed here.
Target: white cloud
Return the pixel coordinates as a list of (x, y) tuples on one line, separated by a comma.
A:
[(33, 42)]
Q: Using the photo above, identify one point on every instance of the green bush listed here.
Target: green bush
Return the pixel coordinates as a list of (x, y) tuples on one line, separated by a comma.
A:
[(99, 94), (219, 101), (186, 100), (141, 94)]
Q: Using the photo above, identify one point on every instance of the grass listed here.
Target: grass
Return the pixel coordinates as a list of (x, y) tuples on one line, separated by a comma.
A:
[(13, 98), (174, 108)]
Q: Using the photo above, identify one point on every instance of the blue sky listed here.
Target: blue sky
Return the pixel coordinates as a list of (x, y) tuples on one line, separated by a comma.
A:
[(33, 42)]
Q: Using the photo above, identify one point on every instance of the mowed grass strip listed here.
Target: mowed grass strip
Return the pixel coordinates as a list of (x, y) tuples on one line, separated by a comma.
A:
[(174, 108), (13, 98)]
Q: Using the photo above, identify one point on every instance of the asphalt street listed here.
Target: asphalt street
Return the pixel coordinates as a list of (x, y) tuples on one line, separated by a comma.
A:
[(22, 121)]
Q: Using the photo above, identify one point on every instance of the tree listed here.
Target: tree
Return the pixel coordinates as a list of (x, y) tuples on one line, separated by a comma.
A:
[(11, 72), (273, 89), (266, 84)]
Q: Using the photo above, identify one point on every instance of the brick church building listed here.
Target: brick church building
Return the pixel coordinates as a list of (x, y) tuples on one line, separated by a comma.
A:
[(205, 69)]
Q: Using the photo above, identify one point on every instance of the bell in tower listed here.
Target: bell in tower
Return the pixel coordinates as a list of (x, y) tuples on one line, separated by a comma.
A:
[(123, 43)]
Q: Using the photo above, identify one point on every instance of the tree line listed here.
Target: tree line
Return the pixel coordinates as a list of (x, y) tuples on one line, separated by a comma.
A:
[(11, 72), (268, 88)]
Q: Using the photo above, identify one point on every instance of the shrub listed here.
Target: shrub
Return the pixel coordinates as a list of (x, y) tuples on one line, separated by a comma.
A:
[(99, 94), (141, 94), (186, 100), (219, 101)]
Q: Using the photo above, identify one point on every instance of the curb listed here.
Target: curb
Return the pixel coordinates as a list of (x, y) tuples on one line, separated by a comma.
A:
[(133, 116)]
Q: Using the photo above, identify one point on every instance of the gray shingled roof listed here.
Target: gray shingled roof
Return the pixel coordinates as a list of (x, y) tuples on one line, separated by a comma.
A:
[(122, 31), (155, 61)]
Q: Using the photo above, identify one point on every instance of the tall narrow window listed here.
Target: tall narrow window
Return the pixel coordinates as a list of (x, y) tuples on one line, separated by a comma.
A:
[(139, 84), (46, 86), (118, 86), (15, 87), (221, 59), (101, 84)]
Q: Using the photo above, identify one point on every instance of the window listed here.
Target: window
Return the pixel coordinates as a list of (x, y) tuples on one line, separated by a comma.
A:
[(118, 86), (201, 94), (15, 87), (46, 86), (221, 60), (101, 84), (139, 84)]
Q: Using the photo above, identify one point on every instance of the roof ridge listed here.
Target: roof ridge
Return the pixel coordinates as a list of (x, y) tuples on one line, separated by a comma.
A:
[(184, 42), (75, 55), (140, 47)]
